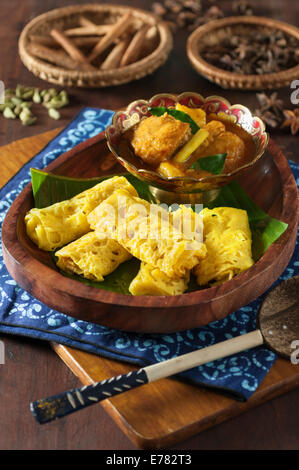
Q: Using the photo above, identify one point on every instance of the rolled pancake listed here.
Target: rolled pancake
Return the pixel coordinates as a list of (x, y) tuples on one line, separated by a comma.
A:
[(147, 232), (227, 237), (91, 257), (152, 281), (190, 222), (54, 226)]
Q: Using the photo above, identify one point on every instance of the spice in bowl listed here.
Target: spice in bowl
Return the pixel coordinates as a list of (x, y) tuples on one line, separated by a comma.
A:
[(254, 51), (90, 46)]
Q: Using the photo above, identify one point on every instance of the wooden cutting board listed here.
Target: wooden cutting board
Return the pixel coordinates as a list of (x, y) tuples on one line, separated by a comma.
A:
[(165, 412)]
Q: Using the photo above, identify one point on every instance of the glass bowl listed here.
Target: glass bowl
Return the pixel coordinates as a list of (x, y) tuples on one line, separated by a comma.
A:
[(183, 189)]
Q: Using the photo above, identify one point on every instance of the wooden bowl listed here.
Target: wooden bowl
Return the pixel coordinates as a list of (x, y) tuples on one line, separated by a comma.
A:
[(270, 183), (66, 18), (215, 31)]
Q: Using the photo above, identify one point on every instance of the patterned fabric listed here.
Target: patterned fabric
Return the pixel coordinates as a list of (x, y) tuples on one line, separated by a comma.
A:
[(21, 314)]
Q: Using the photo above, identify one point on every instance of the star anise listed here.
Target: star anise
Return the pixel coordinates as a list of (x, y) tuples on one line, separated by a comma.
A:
[(241, 7), (270, 110), (244, 51), (268, 118), (188, 14), (292, 120), (159, 9), (213, 13), (254, 51), (270, 103)]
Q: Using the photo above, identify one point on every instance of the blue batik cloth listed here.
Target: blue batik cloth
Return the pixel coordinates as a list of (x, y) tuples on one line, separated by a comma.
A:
[(21, 314)]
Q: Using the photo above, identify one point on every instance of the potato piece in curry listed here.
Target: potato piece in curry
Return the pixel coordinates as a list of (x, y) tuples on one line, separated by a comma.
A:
[(226, 142), (156, 138)]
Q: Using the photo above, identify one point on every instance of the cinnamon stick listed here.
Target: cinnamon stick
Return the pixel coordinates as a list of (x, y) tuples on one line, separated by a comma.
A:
[(100, 30), (132, 54), (112, 61), (70, 48), (120, 27), (50, 42), (86, 22), (57, 57)]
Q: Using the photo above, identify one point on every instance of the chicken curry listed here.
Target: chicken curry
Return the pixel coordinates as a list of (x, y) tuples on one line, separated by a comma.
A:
[(169, 144)]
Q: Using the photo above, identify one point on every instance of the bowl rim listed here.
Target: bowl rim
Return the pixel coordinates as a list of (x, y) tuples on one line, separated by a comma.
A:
[(165, 44), (187, 180), (198, 62)]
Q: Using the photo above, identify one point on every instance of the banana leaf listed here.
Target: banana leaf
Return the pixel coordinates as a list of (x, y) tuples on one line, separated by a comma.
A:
[(118, 281), (49, 189)]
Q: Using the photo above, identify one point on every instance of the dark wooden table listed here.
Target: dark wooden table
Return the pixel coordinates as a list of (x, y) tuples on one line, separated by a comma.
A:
[(31, 367)]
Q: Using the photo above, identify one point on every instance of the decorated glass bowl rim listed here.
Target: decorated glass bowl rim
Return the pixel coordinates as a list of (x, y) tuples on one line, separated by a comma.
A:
[(231, 110)]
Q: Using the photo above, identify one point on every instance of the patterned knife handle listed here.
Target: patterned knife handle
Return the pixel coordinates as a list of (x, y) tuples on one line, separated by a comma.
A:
[(60, 405)]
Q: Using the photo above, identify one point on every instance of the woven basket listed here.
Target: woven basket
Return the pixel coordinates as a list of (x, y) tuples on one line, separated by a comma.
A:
[(214, 32), (65, 18)]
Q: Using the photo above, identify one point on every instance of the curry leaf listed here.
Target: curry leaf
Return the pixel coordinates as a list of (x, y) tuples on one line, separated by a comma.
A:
[(213, 163)]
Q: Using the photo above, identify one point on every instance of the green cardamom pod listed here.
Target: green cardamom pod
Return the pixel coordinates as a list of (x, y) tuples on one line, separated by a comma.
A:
[(26, 104), (16, 100), (9, 114), (47, 97), (36, 97), (54, 114), (29, 120), (7, 104), (25, 114), (18, 109), (53, 92), (9, 92), (19, 91), (53, 103), (27, 95)]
